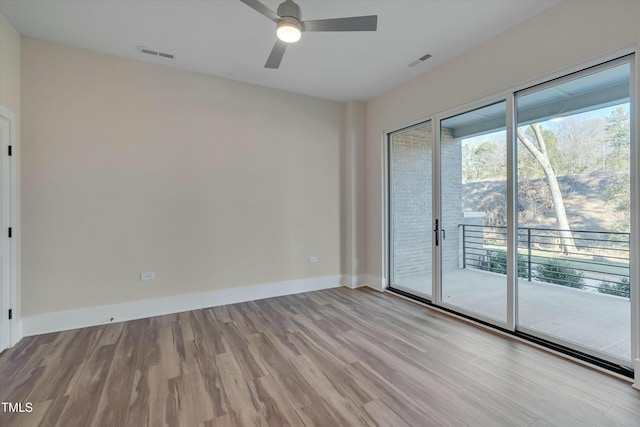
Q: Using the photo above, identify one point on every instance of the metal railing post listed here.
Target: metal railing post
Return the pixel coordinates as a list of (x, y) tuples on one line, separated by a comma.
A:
[(529, 252), (464, 247)]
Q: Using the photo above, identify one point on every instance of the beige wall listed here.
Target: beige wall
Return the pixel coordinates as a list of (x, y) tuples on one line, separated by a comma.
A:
[(10, 99), (564, 36), (131, 167), (9, 66), (352, 184)]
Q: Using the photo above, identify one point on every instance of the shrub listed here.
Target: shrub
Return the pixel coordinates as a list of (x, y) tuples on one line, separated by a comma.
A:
[(497, 263), (619, 289), (561, 273)]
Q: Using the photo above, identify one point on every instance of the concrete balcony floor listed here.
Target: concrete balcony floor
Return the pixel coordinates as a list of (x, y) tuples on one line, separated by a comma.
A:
[(585, 317)]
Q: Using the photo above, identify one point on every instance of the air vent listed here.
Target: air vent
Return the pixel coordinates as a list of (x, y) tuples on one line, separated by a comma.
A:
[(154, 52), (420, 60)]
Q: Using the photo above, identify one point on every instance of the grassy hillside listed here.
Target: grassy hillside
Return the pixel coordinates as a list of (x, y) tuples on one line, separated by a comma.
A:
[(593, 201)]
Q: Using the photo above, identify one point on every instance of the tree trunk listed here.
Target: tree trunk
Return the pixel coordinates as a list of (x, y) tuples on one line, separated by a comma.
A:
[(539, 151)]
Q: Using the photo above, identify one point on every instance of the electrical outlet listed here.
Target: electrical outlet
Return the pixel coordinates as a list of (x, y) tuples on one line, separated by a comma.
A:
[(149, 275), (313, 259)]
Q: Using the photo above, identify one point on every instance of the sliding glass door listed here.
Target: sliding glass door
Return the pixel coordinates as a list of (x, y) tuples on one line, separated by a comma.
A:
[(473, 213), (517, 212), (573, 144), (410, 202)]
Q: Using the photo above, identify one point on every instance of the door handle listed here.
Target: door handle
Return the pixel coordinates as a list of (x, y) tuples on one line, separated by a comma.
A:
[(437, 231)]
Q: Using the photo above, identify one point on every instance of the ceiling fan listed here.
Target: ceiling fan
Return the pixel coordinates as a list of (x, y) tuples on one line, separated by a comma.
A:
[(289, 26)]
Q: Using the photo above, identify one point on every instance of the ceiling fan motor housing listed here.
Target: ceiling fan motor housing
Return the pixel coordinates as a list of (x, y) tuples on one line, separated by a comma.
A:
[(289, 9)]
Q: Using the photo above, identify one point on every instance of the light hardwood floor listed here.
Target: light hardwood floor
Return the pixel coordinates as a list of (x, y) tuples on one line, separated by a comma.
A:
[(330, 358)]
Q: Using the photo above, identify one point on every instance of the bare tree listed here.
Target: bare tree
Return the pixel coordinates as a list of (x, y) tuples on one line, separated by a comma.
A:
[(538, 149), (579, 146)]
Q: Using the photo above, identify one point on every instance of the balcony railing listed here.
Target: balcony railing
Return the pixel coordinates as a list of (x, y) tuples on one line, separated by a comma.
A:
[(599, 260)]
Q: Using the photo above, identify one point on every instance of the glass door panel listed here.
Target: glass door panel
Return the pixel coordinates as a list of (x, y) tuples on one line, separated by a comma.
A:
[(473, 188), (410, 209), (573, 166)]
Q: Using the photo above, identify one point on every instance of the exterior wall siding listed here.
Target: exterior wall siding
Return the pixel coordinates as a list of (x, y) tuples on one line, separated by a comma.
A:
[(411, 155)]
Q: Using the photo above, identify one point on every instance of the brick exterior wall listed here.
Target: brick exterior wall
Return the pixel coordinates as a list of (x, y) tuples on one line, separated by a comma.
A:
[(452, 215), (411, 198)]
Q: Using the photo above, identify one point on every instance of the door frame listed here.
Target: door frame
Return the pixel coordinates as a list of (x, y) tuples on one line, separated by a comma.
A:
[(508, 98), (8, 194), (388, 203)]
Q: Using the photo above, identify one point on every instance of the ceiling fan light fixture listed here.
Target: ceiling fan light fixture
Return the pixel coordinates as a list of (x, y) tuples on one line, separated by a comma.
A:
[(288, 31)]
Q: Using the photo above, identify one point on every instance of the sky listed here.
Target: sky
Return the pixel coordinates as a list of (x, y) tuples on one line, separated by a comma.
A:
[(499, 137)]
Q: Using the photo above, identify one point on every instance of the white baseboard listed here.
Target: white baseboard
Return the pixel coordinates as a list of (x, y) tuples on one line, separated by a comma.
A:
[(93, 316), (16, 332), (350, 281), (373, 282)]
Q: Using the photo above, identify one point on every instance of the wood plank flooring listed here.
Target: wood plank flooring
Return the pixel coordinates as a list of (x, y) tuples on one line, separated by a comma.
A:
[(338, 357)]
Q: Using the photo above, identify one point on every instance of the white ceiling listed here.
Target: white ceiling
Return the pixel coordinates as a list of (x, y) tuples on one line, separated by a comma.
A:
[(228, 39)]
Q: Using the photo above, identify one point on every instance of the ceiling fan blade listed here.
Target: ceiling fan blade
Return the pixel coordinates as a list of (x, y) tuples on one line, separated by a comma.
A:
[(261, 8), (276, 55), (355, 23)]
